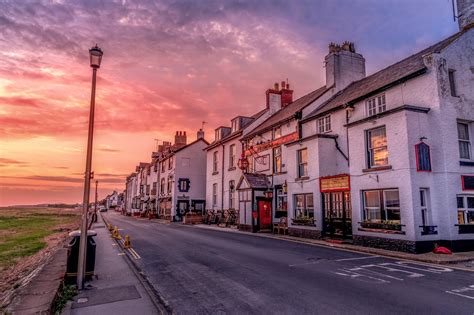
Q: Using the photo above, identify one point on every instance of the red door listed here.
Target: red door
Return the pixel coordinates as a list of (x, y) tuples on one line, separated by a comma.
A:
[(265, 214)]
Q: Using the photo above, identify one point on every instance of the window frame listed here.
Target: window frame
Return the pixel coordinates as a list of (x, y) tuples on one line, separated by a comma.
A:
[(232, 194), (232, 155), (376, 105), (465, 209), (324, 124), (276, 133), (370, 150), (214, 195), (425, 207), (277, 160), (452, 82), (302, 164), (215, 162), (305, 210), (382, 207), (467, 141), (170, 162)]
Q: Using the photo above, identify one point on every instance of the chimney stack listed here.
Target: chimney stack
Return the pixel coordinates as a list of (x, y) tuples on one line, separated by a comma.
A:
[(343, 65), (200, 134), (465, 14), (286, 94), (180, 138)]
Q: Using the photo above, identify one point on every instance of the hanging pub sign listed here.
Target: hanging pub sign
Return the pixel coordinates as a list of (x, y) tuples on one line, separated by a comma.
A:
[(183, 184), (271, 144), (335, 183)]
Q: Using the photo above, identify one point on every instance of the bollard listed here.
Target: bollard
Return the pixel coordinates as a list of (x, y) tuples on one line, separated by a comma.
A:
[(109, 226), (115, 233), (127, 244)]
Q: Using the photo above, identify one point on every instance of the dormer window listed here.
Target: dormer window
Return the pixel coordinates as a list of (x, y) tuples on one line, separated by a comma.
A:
[(235, 125), (217, 135), (376, 105), (276, 132)]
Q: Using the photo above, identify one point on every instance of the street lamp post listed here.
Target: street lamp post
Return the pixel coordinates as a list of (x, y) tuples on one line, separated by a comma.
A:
[(95, 59)]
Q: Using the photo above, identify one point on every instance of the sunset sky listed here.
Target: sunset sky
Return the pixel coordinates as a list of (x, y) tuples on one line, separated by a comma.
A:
[(167, 66)]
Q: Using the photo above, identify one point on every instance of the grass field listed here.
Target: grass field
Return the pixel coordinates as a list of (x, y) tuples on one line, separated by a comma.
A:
[(23, 230)]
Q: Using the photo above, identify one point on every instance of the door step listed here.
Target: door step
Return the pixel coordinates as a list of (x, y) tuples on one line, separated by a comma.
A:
[(338, 241)]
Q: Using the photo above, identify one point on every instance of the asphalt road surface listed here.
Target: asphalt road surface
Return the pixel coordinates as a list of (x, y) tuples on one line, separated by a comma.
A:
[(201, 271)]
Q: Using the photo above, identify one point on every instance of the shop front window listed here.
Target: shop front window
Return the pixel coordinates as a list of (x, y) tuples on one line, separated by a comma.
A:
[(281, 203)]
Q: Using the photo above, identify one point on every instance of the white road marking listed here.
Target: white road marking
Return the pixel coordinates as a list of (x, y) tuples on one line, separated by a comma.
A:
[(357, 258), (385, 266), (469, 289), (359, 276), (376, 273)]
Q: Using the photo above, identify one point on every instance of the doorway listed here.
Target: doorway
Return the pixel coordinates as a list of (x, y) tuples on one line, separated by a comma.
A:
[(337, 212), (182, 208), (264, 214)]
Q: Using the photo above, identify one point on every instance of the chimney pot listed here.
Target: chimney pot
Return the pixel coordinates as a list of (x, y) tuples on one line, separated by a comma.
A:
[(275, 86), (282, 85)]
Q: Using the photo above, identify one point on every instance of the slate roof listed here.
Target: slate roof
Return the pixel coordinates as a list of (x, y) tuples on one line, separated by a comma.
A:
[(256, 181), (238, 132), (406, 68), (287, 112)]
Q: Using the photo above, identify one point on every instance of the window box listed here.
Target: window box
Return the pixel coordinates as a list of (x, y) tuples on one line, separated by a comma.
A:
[(429, 229), (465, 228), (303, 221), (382, 225)]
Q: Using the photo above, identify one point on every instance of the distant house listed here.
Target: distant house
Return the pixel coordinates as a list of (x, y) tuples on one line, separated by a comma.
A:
[(182, 178)]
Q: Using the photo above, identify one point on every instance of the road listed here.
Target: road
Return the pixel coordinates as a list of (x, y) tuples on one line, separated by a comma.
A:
[(201, 271)]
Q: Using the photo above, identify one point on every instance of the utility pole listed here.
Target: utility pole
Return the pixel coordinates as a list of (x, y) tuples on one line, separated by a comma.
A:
[(95, 204)]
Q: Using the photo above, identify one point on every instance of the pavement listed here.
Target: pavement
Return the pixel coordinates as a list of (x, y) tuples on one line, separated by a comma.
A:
[(116, 287), (198, 270)]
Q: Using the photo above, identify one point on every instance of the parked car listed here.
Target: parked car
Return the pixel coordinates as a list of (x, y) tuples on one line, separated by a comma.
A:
[(102, 209)]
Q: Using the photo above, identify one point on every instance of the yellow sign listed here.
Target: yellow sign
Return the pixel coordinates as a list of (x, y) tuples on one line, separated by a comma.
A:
[(335, 183)]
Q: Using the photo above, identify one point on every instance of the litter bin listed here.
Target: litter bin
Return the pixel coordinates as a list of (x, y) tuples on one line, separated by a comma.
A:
[(73, 255)]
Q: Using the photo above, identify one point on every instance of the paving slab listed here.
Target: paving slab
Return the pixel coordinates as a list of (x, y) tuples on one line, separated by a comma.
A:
[(115, 288)]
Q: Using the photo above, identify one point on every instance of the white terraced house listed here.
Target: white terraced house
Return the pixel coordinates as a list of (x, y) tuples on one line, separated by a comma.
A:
[(383, 160)]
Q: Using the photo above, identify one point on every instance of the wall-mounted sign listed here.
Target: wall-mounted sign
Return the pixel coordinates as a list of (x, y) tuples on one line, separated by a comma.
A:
[(183, 184), (271, 144), (335, 183)]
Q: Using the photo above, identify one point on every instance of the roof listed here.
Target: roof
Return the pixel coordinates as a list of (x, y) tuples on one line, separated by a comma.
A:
[(255, 181), (288, 111), (407, 68), (232, 135), (184, 147)]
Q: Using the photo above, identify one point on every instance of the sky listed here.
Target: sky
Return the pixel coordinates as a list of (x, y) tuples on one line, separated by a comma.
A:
[(168, 66)]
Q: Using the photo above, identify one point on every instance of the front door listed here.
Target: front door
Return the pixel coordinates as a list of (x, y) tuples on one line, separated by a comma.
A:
[(337, 214), (265, 214), (181, 209)]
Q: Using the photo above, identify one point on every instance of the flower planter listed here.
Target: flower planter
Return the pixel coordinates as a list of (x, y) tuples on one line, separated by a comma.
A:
[(465, 228), (381, 226), (192, 218), (306, 222)]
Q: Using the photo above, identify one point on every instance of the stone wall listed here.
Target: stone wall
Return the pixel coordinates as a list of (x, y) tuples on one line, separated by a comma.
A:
[(304, 233)]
